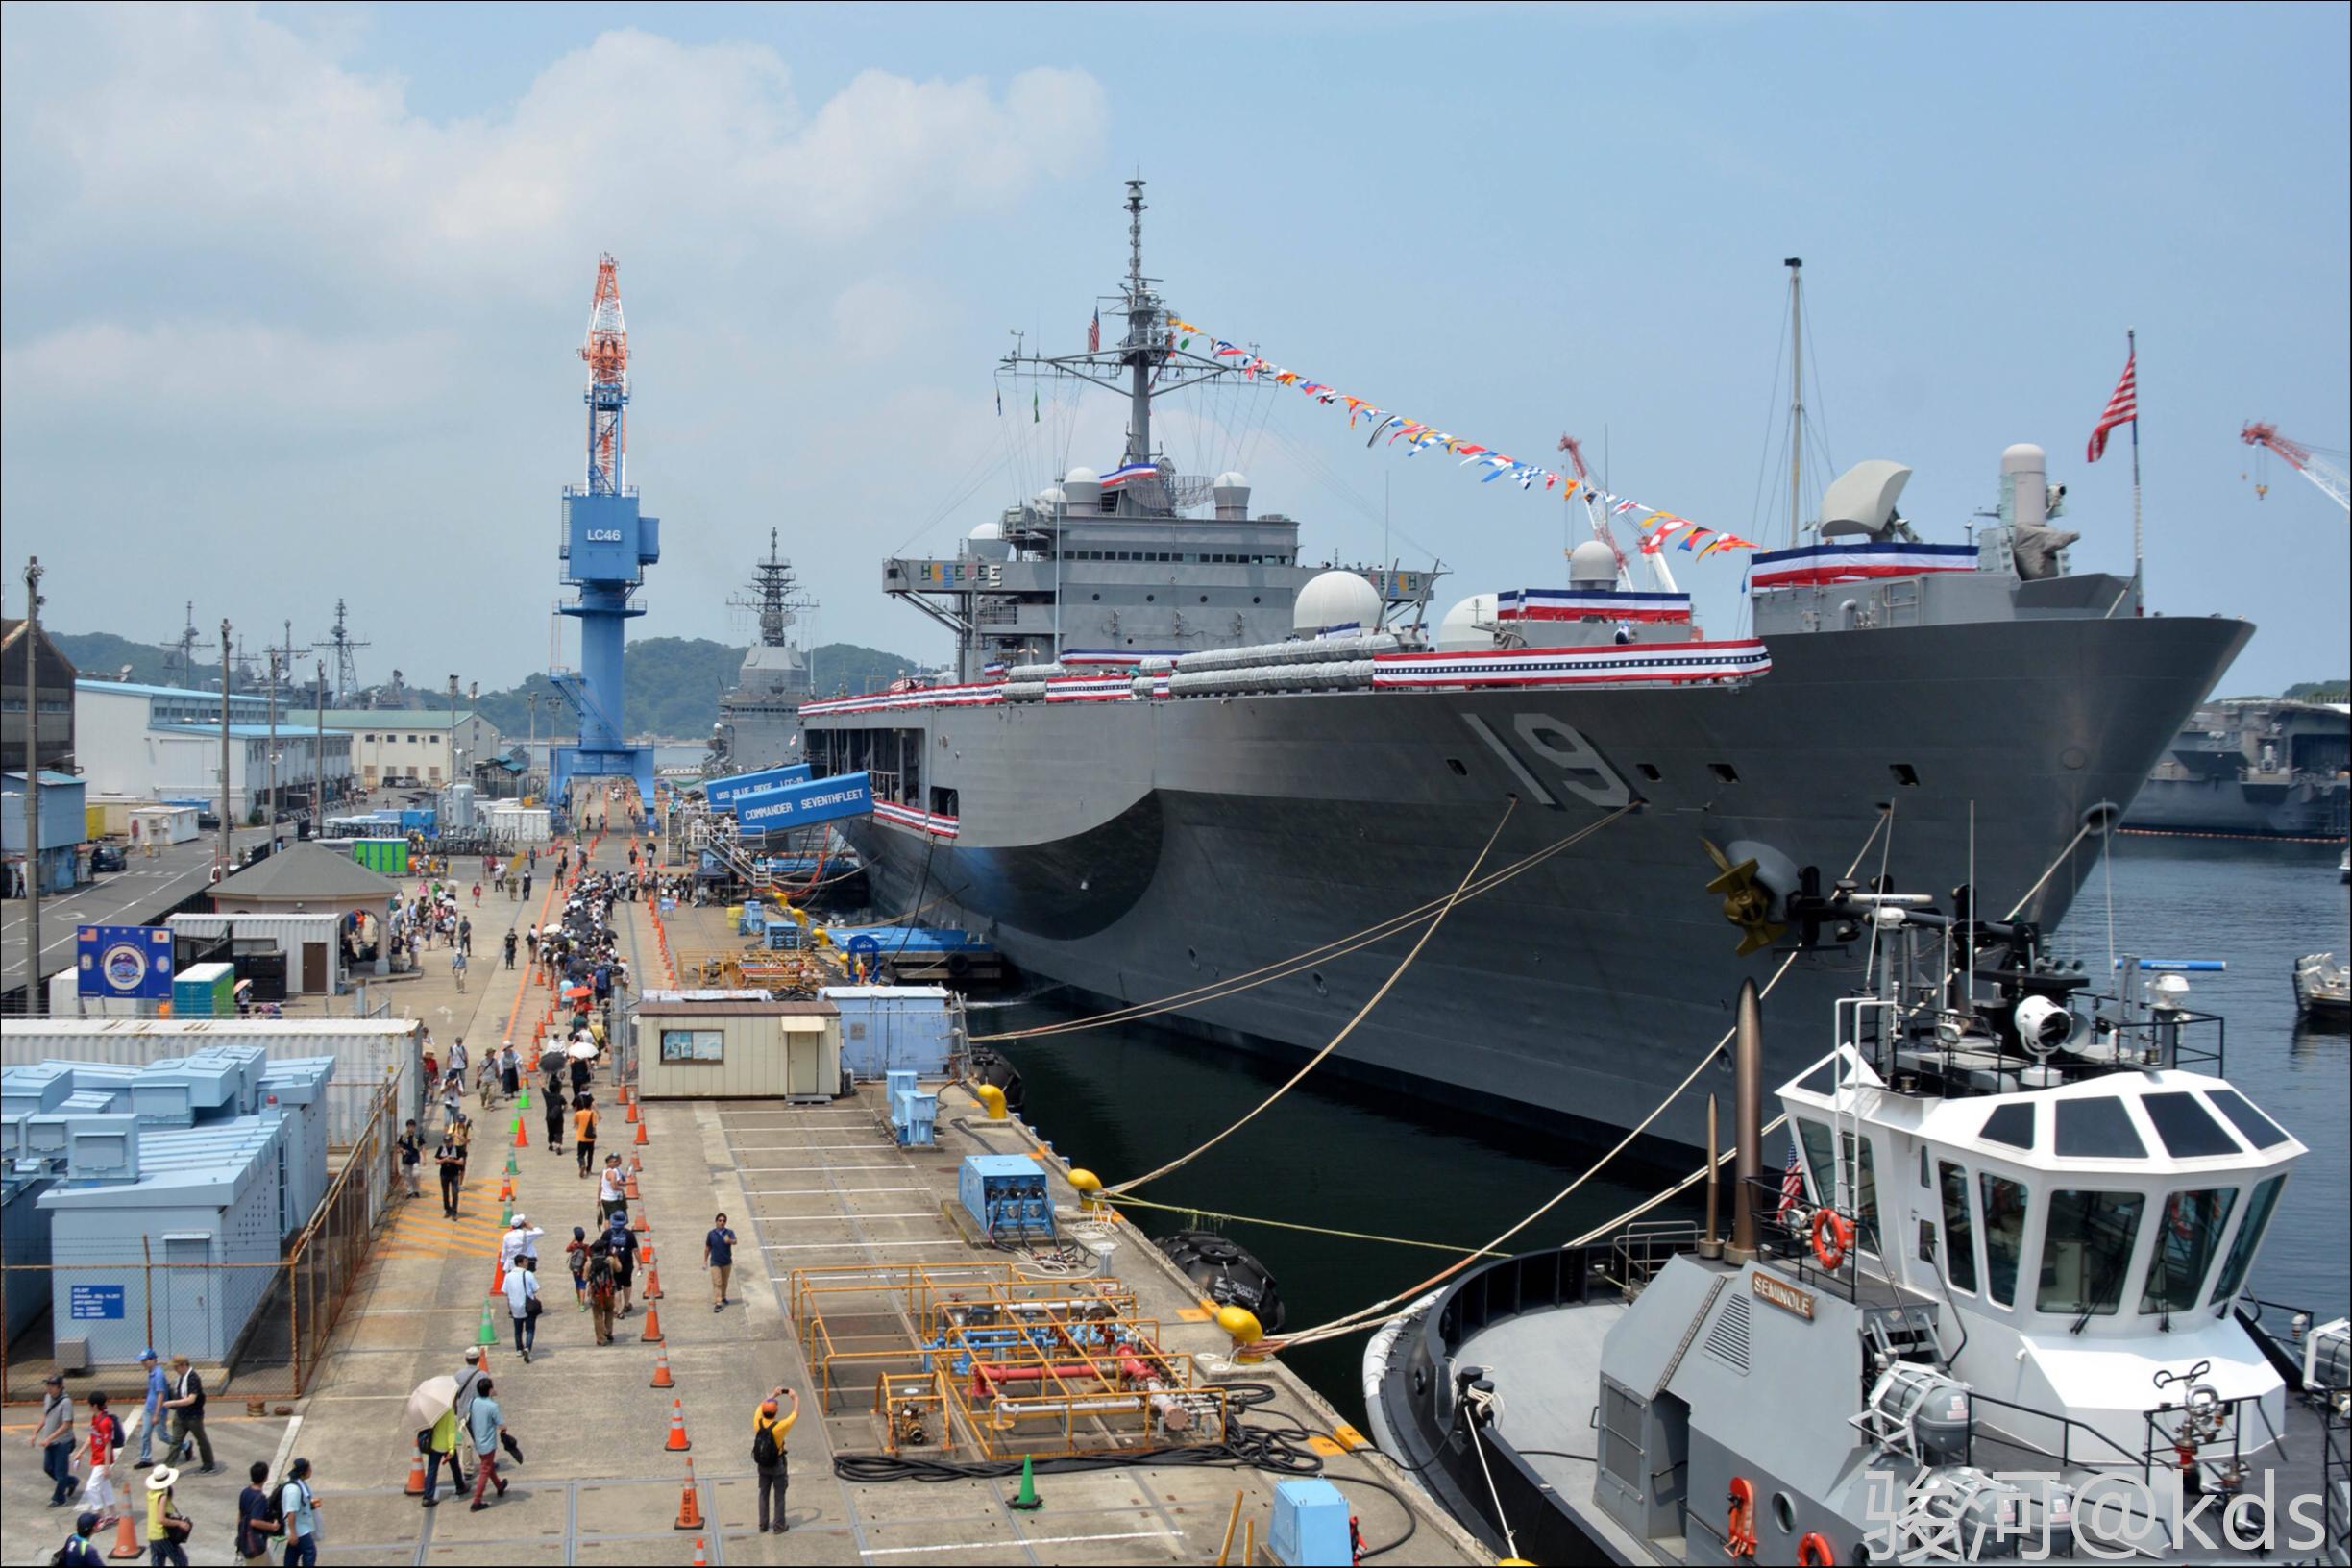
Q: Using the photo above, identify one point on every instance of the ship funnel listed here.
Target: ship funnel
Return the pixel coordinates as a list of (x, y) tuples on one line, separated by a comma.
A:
[(1231, 492), (1747, 1122)]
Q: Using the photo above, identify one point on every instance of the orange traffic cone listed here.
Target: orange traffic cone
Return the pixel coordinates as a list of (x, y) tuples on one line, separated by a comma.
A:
[(632, 1118), (507, 1190), (645, 1225), (521, 1139), (498, 1276), (636, 1165), (690, 1502), (678, 1443), (126, 1536), (640, 1139), (416, 1475), (661, 1371), (645, 1254), (701, 1558), (631, 1187), (653, 1291), (652, 1334)]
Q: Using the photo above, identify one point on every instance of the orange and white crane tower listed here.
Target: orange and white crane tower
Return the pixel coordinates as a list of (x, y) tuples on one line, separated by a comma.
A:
[(2322, 467)]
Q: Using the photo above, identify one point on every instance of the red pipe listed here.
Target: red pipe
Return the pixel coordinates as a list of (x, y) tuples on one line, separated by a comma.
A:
[(985, 1373)]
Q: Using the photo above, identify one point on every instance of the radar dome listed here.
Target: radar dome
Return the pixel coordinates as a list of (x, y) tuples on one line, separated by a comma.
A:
[(1082, 474), (1231, 479), (988, 531), (1082, 488), (1592, 562), (1468, 627), (988, 543), (1332, 599), (1230, 492)]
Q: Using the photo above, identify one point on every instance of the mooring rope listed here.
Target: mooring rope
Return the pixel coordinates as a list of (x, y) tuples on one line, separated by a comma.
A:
[(1394, 976), (1284, 968)]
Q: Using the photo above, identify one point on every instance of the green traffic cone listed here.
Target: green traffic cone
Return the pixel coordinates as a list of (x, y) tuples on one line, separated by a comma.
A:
[(506, 1215), (488, 1335), (522, 1098), (512, 1169), (1027, 1501)]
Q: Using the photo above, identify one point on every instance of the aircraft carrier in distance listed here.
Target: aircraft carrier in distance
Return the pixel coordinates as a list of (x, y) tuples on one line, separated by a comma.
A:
[(2265, 767), (759, 721), (1175, 754)]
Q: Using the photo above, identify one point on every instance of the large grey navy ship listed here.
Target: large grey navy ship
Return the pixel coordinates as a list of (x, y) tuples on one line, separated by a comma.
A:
[(759, 721), (1175, 754), (2263, 767)]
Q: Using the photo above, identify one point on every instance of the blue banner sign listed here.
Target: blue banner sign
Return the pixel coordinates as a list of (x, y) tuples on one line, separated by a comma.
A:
[(133, 962), (94, 1301), (723, 793), (796, 805)]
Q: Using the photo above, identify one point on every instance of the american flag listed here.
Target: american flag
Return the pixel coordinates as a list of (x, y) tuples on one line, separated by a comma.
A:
[(2123, 409), (1792, 1184), (1095, 334)]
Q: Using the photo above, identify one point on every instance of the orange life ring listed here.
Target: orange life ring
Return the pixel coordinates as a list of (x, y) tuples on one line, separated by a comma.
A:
[(1833, 1238), (1814, 1551), (1739, 1523)]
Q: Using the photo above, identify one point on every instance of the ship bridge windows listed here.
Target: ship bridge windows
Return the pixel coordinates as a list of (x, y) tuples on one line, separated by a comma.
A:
[(1959, 1235), (2004, 1228), (2012, 1124), (2259, 1130), (2098, 1129), (2188, 1240), (2248, 1238), (2086, 1244), (2187, 1129)]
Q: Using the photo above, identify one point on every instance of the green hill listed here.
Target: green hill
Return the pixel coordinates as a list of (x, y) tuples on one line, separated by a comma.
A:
[(671, 685)]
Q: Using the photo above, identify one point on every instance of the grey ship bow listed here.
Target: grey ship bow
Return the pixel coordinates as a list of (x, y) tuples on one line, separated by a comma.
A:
[(1173, 753)]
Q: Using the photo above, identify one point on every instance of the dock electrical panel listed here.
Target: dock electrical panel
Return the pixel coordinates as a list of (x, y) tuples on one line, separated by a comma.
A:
[(1007, 1196)]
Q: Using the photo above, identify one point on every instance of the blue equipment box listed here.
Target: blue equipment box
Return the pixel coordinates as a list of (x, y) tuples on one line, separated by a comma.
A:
[(1311, 1526), (1007, 1196)]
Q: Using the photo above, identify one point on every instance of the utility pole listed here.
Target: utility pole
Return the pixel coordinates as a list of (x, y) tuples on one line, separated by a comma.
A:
[(226, 815), (531, 751), (272, 809), (35, 1005), (318, 762), (452, 735)]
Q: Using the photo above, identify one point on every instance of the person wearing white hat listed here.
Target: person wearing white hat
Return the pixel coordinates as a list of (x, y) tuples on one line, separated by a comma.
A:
[(517, 1242), (522, 1302), (167, 1528)]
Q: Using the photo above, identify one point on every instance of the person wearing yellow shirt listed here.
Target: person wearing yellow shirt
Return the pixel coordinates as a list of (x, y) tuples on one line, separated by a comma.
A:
[(768, 1431)]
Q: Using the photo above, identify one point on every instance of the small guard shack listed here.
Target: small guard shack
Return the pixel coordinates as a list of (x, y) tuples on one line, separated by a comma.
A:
[(736, 1044)]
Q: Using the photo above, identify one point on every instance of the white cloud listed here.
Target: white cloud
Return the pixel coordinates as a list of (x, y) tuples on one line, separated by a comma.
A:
[(183, 128), (226, 374)]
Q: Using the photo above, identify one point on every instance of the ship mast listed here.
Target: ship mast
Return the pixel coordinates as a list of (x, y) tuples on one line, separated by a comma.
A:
[(1796, 270), (1142, 333)]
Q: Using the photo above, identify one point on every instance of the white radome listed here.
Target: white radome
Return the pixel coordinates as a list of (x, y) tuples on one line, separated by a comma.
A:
[(1468, 627), (1336, 599)]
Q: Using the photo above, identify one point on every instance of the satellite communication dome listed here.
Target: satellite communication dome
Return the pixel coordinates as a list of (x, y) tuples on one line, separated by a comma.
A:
[(1230, 491), (1082, 474), (1468, 627), (1592, 562), (1082, 488), (1336, 599), (986, 543), (991, 530)]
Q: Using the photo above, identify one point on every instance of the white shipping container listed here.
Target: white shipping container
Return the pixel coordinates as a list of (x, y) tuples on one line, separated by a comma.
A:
[(163, 824), (290, 932), (366, 1051)]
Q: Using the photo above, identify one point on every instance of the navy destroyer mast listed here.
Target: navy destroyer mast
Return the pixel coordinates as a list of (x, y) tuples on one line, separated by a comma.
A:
[(1042, 580)]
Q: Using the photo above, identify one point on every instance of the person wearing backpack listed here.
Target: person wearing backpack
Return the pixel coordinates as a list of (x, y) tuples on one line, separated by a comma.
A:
[(259, 1516), (767, 1431), (297, 1516), (79, 1550)]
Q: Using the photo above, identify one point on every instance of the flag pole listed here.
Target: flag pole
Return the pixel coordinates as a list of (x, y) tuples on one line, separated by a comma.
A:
[(2131, 340)]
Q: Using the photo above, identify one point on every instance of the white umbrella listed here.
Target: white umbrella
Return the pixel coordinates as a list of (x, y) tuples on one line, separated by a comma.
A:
[(432, 1400), (583, 1050)]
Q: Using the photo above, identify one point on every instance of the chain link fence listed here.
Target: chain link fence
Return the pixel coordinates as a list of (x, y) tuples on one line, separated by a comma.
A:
[(254, 1331)]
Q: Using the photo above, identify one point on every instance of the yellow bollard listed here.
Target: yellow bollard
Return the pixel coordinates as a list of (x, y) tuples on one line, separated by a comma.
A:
[(992, 1100), (1088, 1185), (1241, 1325)]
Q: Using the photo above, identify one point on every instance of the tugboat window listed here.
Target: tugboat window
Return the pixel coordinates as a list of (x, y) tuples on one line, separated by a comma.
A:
[(2098, 1130), (2186, 1242), (2260, 1130), (2086, 1243), (2187, 1130), (2249, 1236), (1959, 1235), (2004, 1224)]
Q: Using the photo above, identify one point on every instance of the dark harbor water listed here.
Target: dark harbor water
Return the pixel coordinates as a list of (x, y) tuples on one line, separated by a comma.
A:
[(1122, 1100)]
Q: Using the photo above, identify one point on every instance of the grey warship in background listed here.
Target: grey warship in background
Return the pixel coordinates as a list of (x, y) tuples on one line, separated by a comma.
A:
[(759, 721), (2265, 766), (1176, 754)]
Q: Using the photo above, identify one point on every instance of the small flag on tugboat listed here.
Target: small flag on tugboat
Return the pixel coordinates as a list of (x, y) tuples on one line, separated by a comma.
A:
[(2123, 408), (1792, 1184), (1095, 332)]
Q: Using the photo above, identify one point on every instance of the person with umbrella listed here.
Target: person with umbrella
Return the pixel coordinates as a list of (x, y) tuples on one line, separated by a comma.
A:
[(432, 1409), (551, 1101)]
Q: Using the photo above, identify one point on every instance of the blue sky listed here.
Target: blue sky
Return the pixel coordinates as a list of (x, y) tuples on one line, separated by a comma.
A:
[(289, 296)]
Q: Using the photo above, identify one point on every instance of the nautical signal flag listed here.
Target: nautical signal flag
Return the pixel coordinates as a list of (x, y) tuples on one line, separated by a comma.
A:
[(2123, 408)]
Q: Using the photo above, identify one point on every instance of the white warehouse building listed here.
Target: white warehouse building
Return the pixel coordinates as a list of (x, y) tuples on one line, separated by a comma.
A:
[(163, 742)]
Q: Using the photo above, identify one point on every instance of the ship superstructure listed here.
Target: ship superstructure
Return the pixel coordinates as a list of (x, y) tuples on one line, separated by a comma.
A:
[(2268, 767), (1174, 753), (759, 720)]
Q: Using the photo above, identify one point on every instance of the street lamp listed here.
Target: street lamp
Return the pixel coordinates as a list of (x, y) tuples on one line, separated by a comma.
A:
[(452, 735)]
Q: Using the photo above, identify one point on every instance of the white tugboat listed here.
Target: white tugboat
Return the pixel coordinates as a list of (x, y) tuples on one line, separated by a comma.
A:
[(1995, 1306)]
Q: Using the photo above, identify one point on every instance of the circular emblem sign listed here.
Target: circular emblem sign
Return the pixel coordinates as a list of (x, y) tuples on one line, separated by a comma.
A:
[(124, 965)]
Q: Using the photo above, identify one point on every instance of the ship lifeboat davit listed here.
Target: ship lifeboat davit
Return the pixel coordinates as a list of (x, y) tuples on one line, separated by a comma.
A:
[(1227, 1273)]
